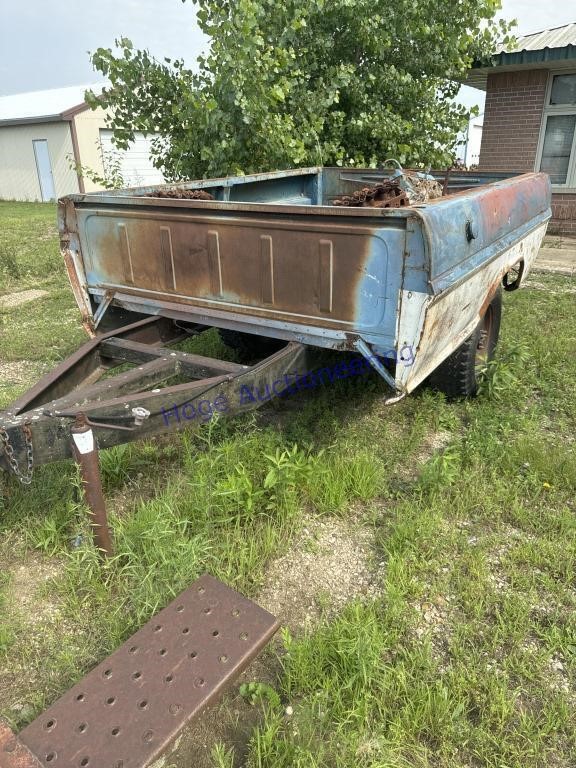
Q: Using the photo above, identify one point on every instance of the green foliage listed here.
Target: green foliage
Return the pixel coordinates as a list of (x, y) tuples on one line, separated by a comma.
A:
[(6, 632), (303, 82), (500, 376), (111, 176), (338, 479), (442, 469), (8, 262), (29, 250), (222, 757), (260, 692), (119, 463)]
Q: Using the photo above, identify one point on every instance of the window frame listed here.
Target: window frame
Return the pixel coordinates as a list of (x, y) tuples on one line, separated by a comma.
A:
[(550, 110)]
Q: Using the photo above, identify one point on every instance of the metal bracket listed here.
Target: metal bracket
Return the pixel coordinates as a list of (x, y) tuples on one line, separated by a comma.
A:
[(367, 353), (102, 307)]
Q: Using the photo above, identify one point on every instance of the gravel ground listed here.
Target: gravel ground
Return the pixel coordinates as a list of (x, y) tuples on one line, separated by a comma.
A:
[(329, 564), (22, 297)]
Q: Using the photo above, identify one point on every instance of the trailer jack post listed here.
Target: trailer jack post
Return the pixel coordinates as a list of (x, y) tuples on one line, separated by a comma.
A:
[(86, 456)]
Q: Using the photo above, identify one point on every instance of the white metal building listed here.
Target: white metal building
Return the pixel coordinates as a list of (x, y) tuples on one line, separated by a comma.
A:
[(469, 149), (46, 135)]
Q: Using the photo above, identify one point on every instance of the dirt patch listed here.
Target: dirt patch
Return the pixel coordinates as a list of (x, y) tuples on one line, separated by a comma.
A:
[(230, 723), (14, 371), (538, 286), (327, 566), (35, 619), (330, 563), (18, 371), (432, 443), (15, 375), (22, 297)]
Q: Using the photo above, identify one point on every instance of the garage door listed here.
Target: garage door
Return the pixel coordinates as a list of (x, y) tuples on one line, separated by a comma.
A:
[(135, 164)]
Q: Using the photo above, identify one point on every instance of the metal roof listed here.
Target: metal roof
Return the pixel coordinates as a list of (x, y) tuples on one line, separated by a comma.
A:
[(557, 37), (548, 49), (44, 106)]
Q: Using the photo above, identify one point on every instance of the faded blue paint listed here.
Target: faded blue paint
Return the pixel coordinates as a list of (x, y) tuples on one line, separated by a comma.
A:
[(424, 250), (499, 214)]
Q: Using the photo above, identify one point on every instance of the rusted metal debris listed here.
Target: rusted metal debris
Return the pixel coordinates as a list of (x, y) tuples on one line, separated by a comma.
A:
[(177, 193), (14, 754), (127, 710), (387, 194)]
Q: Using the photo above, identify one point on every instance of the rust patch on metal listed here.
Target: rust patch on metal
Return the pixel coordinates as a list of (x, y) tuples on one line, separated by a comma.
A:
[(178, 193), (78, 291), (491, 293), (326, 275), (167, 259), (487, 300), (267, 269), (220, 264), (125, 255), (13, 753), (126, 711), (87, 459), (70, 248), (387, 194)]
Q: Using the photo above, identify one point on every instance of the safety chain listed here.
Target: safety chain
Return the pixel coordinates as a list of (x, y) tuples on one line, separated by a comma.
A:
[(25, 478)]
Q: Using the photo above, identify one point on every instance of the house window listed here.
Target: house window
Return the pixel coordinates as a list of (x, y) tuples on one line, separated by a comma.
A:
[(558, 140)]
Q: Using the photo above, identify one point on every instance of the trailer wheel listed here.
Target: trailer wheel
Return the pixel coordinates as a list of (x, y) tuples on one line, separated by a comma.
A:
[(248, 345), (461, 373)]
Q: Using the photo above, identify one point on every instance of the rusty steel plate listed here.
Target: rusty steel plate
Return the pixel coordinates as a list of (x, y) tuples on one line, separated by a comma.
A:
[(13, 754), (126, 711)]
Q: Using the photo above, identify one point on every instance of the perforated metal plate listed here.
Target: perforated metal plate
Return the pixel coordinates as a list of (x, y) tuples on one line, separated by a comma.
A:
[(126, 711)]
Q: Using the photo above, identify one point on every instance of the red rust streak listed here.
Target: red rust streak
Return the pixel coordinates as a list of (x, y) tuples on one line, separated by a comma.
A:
[(13, 754)]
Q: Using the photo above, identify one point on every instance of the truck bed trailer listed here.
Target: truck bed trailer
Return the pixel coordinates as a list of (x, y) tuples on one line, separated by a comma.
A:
[(275, 263), (280, 268)]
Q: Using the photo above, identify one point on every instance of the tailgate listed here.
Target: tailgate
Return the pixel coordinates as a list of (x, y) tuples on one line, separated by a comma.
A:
[(319, 271)]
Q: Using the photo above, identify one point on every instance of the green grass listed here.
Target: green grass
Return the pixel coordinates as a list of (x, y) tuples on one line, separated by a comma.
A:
[(35, 335), (6, 633), (29, 244), (467, 657)]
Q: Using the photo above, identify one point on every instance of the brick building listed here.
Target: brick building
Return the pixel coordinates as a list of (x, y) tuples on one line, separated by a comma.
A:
[(530, 115)]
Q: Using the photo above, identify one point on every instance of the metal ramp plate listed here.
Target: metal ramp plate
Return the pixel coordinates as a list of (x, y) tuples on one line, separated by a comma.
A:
[(126, 711)]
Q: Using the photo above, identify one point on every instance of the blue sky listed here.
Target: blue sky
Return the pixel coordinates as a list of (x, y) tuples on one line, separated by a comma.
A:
[(45, 43)]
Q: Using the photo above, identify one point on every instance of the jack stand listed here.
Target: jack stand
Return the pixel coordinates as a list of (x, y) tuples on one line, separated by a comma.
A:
[(86, 456)]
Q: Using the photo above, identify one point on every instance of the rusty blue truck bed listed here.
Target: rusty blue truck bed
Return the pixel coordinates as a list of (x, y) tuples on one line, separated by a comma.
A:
[(280, 256), (272, 255)]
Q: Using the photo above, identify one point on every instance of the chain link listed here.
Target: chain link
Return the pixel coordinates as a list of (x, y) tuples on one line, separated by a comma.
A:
[(24, 477)]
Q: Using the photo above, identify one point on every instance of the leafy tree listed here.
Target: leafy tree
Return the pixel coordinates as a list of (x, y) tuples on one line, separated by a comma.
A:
[(303, 82)]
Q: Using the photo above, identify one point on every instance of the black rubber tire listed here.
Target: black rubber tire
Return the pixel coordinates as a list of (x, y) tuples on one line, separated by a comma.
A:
[(248, 345), (461, 373)]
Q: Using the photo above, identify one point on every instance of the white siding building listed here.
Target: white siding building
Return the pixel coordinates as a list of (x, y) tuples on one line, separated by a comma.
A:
[(469, 149), (46, 135)]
